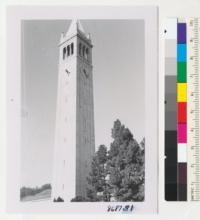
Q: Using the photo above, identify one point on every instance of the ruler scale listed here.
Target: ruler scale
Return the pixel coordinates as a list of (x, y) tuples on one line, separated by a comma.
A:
[(193, 110)]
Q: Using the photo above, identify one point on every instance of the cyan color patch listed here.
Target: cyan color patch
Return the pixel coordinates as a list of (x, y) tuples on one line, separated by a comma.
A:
[(181, 52)]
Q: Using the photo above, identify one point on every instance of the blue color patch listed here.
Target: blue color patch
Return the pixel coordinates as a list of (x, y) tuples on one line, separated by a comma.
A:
[(181, 52)]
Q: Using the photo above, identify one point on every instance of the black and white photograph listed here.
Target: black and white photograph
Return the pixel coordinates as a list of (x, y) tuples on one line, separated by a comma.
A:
[(85, 110), (83, 136)]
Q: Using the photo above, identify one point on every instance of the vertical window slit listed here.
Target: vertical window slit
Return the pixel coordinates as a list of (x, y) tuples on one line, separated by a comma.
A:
[(72, 48), (64, 52), (68, 50)]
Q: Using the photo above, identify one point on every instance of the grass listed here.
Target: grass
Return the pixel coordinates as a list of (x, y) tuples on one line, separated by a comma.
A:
[(44, 195)]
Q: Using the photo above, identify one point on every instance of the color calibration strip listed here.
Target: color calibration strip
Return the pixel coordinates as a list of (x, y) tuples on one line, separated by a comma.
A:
[(170, 34), (182, 109), (181, 112)]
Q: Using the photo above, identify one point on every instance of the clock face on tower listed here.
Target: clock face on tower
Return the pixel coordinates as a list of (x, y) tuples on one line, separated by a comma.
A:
[(66, 69), (86, 74)]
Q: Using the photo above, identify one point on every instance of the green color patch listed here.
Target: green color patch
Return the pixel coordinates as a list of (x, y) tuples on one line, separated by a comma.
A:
[(182, 72)]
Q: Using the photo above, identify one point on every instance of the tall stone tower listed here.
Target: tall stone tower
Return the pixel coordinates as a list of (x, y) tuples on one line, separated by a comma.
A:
[(74, 136)]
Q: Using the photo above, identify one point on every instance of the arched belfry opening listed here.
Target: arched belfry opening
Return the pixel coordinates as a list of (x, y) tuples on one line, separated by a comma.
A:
[(72, 48), (68, 50), (64, 52), (80, 49)]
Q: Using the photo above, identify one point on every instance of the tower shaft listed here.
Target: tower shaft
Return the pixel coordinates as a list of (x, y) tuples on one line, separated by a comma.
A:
[(74, 135)]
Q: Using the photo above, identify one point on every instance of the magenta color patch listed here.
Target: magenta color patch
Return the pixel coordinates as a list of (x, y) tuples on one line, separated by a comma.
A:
[(182, 133)]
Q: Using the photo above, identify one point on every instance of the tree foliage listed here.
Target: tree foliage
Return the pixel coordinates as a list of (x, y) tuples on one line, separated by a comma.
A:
[(97, 185), (118, 174)]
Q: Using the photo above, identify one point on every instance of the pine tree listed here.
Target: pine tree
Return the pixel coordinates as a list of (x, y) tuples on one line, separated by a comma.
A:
[(118, 175), (97, 185), (126, 165)]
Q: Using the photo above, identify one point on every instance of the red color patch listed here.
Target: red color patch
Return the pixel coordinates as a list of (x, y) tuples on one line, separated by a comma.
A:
[(182, 112)]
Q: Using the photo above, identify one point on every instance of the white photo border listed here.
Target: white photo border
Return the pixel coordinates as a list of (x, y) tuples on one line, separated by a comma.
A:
[(15, 14)]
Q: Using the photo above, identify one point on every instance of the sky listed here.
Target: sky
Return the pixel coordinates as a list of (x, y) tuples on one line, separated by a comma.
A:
[(118, 81)]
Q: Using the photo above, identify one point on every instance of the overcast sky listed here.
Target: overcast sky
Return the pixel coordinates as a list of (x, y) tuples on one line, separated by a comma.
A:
[(118, 74)]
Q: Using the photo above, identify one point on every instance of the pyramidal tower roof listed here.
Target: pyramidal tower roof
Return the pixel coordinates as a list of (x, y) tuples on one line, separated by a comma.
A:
[(75, 28)]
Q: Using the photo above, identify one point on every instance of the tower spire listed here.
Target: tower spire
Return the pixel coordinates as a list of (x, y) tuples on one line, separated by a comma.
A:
[(75, 27)]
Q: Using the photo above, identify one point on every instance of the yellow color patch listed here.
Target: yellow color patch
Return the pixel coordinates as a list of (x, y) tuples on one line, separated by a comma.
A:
[(182, 92)]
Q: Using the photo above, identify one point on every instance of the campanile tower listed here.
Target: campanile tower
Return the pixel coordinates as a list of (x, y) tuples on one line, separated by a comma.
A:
[(74, 134)]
